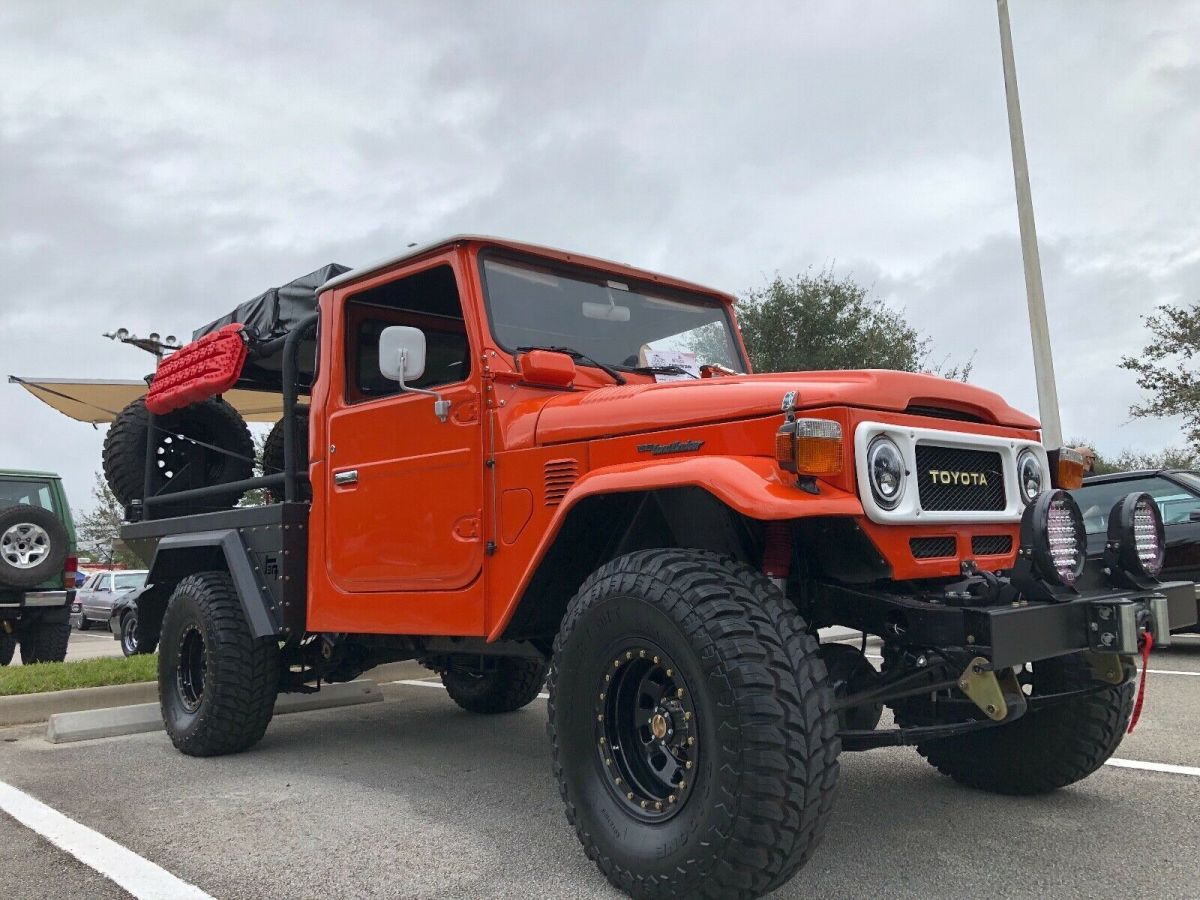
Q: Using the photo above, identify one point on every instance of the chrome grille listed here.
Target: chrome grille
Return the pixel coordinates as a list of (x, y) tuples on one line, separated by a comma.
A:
[(957, 479)]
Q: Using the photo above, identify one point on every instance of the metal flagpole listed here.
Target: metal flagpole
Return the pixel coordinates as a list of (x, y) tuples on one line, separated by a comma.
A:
[(1039, 328)]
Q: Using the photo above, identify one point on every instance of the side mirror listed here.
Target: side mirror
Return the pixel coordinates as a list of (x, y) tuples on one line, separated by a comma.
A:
[(1194, 515), (402, 354), (402, 358)]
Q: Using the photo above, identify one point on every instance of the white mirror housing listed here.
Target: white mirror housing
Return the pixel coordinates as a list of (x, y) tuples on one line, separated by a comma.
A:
[(402, 353)]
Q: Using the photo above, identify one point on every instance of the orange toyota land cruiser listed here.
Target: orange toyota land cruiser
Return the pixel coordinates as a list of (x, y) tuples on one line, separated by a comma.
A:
[(525, 467)]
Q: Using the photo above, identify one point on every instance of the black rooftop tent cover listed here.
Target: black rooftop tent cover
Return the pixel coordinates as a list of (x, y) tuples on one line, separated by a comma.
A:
[(272, 314)]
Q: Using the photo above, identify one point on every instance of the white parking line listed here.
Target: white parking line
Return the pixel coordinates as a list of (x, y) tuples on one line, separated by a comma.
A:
[(1119, 763), (1148, 671), (1170, 769), (140, 877)]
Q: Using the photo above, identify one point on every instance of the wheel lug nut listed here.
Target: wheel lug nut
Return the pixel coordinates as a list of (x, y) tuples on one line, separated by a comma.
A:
[(602, 695), (629, 796), (683, 785), (656, 660), (671, 799), (617, 780), (679, 693), (670, 672), (687, 717), (658, 804), (603, 741), (600, 718), (688, 764), (642, 654), (629, 654), (608, 762), (644, 804)]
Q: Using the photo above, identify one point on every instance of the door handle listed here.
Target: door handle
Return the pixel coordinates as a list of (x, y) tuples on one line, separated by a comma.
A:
[(350, 476)]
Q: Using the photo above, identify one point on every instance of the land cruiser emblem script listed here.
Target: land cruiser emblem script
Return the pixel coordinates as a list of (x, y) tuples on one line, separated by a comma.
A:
[(674, 447), (942, 476)]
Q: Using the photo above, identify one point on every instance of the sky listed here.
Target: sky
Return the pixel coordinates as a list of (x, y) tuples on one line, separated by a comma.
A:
[(162, 162)]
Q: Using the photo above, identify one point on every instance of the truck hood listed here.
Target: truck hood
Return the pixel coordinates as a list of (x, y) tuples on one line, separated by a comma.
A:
[(634, 408)]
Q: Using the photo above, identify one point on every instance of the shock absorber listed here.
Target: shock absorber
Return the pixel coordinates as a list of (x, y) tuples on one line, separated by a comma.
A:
[(777, 553)]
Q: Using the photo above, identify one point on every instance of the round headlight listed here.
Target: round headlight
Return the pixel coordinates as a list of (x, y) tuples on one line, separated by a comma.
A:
[(1054, 526), (1135, 525), (1029, 475), (885, 469)]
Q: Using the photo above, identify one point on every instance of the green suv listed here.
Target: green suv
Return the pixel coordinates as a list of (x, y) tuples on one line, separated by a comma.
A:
[(37, 566)]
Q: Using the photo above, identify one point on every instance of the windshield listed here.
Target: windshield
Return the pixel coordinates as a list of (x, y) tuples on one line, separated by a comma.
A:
[(129, 582), (606, 319), (1096, 500), (28, 493)]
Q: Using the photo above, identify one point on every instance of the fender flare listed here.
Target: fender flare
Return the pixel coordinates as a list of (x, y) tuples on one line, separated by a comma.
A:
[(750, 485), (175, 557)]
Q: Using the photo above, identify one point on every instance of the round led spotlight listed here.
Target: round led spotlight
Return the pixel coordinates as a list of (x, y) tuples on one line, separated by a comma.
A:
[(1052, 528), (1135, 525), (1030, 477), (885, 470)]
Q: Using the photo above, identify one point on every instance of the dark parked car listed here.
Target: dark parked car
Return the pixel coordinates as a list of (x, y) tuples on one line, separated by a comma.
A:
[(94, 601), (123, 621), (1177, 492)]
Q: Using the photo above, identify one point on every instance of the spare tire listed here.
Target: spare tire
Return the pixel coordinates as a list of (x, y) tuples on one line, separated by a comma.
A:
[(221, 450), (272, 455), (33, 546)]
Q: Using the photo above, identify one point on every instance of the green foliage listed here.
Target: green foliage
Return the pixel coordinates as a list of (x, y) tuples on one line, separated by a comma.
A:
[(82, 673), (820, 321), (1167, 369), (1128, 460), (97, 531), (258, 496)]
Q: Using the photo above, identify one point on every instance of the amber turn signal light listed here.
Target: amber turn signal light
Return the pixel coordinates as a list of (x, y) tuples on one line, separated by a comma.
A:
[(1066, 467), (810, 447)]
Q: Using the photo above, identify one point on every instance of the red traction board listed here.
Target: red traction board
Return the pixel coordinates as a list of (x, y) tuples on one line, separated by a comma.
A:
[(202, 369)]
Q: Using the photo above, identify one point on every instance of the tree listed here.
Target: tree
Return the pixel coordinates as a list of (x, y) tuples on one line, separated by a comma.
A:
[(97, 532), (1130, 460), (1167, 369), (823, 321)]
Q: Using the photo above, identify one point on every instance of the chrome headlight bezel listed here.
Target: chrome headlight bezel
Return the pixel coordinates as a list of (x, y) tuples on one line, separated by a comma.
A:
[(880, 447), (1028, 459)]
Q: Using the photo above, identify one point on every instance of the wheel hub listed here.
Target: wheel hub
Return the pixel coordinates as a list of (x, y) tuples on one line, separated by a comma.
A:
[(24, 545), (646, 745), (189, 674)]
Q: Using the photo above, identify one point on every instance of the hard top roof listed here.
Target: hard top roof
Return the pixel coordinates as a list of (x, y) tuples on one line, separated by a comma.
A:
[(415, 251), (28, 473), (1108, 477)]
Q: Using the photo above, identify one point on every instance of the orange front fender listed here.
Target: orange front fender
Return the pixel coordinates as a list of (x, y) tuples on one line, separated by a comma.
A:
[(750, 485)]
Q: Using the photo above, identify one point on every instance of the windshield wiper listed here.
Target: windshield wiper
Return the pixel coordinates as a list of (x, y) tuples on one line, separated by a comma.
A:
[(660, 370), (580, 357)]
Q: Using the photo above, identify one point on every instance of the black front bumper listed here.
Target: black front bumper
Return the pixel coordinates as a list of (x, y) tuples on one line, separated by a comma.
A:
[(1104, 621)]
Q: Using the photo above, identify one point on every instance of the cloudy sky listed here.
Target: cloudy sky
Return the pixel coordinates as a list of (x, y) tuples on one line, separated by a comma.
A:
[(161, 162)]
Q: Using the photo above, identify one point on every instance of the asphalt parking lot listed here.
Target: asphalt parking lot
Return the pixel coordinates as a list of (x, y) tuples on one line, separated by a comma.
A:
[(415, 798)]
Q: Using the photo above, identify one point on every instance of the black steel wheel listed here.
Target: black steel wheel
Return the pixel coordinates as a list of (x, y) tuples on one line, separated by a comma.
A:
[(129, 641), (217, 683), (694, 741), (647, 745)]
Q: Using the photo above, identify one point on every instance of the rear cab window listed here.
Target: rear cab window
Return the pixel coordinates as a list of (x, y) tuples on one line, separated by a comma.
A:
[(28, 492)]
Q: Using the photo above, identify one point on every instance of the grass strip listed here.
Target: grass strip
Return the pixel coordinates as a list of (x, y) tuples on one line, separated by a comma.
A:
[(61, 676)]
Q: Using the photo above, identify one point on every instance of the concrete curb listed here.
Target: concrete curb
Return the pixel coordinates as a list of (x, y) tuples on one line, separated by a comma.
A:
[(86, 725), (25, 708)]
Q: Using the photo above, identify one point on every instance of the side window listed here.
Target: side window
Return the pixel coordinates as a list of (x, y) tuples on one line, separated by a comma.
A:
[(428, 300)]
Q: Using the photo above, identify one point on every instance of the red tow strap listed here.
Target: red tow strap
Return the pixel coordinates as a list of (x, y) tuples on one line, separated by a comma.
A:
[(1147, 645)]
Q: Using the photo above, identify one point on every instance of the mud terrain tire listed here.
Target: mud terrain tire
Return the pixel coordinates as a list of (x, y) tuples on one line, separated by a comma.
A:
[(45, 638), (217, 683), (1045, 749), (8, 646), (33, 546), (732, 665), (213, 421), (272, 455), (513, 683)]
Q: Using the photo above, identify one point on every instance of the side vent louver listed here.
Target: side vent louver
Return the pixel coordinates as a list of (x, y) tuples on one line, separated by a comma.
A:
[(560, 475)]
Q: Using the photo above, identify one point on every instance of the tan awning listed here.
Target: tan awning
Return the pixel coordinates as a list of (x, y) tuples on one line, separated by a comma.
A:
[(97, 402)]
